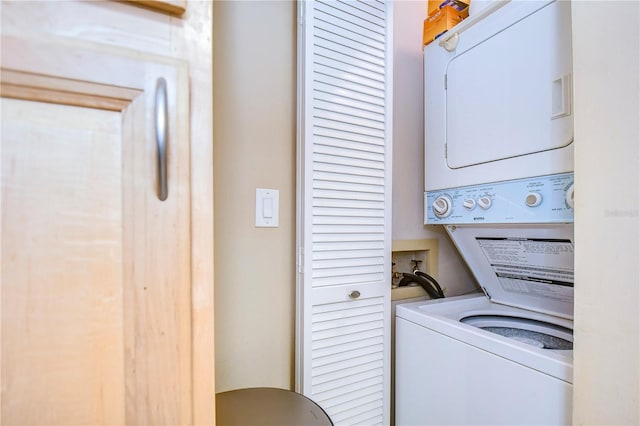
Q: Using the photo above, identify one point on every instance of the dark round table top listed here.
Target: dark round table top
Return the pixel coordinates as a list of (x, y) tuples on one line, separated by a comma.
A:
[(268, 406)]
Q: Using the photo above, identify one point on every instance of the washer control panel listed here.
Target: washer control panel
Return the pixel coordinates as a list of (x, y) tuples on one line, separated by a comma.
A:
[(544, 199)]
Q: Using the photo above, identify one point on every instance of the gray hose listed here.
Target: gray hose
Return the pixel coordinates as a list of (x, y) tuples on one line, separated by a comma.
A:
[(428, 286)]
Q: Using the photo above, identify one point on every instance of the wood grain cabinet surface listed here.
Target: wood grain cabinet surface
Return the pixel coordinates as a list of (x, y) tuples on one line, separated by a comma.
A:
[(106, 291), (174, 7)]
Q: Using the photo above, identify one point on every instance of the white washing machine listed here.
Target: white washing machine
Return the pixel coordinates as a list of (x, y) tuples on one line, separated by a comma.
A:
[(504, 357), (498, 176)]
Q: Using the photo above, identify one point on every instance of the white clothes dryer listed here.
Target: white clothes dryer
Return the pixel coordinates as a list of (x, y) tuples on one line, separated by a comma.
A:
[(499, 106), (504, 357)]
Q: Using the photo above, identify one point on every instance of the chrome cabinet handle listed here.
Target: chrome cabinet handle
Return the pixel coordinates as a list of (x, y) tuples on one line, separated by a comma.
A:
[(354, 294), (161, 137)]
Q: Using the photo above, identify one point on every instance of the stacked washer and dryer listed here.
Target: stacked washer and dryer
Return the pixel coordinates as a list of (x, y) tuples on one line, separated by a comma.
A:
[(499, 177)]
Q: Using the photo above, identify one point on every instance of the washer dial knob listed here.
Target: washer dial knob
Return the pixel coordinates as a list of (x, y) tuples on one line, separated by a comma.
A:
[(469, 204), (442, 206), (569, 197), (533, 199), (484, 202)]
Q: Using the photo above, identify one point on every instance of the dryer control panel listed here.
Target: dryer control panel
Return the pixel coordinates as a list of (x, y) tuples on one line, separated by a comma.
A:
[(544, 199)]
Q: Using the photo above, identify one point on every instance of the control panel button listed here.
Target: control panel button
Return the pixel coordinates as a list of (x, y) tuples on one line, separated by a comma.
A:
[(569, 196), (484, 202), (442, 206), (533, 199), (469, 204)]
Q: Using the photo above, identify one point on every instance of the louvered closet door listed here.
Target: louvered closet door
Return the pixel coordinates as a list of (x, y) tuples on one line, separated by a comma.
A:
[(344, 210)]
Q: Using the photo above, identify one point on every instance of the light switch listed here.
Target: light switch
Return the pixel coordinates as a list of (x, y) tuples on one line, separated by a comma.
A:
[(267, 201), (267, 208)]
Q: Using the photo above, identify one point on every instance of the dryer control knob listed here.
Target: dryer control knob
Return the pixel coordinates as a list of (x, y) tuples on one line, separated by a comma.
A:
[(469, 204), (533, 199), (569, 197), (484, 202), (442, 206)]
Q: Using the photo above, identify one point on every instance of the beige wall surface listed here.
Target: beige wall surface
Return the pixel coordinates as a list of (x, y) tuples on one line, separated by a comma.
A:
[(254, 57), (607, 294), (408, 147), (254, 147)]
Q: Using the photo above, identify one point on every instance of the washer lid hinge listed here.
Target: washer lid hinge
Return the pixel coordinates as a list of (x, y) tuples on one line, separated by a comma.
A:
[(486, 292)]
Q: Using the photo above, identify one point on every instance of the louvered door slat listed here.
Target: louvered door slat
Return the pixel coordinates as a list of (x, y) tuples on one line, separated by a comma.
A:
[(377, 111), (346, 228), (347, 189), (330, 11), (347, 239), (334, 80), (344, 237), (356, 277), (353, 244), (329, 179), (366, 44), (323, 351), (338, 212), (351, 413), (355, 145), (375, 210), (343, 130), (349, 7), (369, 168), (336, 41), (367, 8), (324, 62), (343, 71), (353, 59), (346, 75), (333, 386), (343, 118), (347, 254), (369, 398), (347, 170), (347, 112), (354, 271), (328, 195), (351, 204), (339, 403)]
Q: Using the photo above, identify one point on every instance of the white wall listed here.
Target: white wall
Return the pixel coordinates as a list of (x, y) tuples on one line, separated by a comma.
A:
[(408, 147), (607, 294), (254, 125)]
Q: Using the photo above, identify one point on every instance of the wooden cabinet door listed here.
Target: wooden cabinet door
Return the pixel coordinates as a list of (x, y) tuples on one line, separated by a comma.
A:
[(95, 280)]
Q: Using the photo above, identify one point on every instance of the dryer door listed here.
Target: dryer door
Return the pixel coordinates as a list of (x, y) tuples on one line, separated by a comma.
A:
[(510, 95)]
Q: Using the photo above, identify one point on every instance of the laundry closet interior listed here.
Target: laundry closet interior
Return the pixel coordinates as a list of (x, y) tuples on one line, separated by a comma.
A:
[(400, 212)]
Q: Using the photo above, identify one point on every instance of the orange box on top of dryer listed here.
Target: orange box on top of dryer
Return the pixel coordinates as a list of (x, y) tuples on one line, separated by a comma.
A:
[(444, 19), (434, 5)]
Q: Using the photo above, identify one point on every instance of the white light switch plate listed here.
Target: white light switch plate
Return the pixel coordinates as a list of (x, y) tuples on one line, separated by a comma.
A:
[(267, 207)]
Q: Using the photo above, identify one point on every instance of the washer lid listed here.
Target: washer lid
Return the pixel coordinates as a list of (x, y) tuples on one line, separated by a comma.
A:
[(527, 266)]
